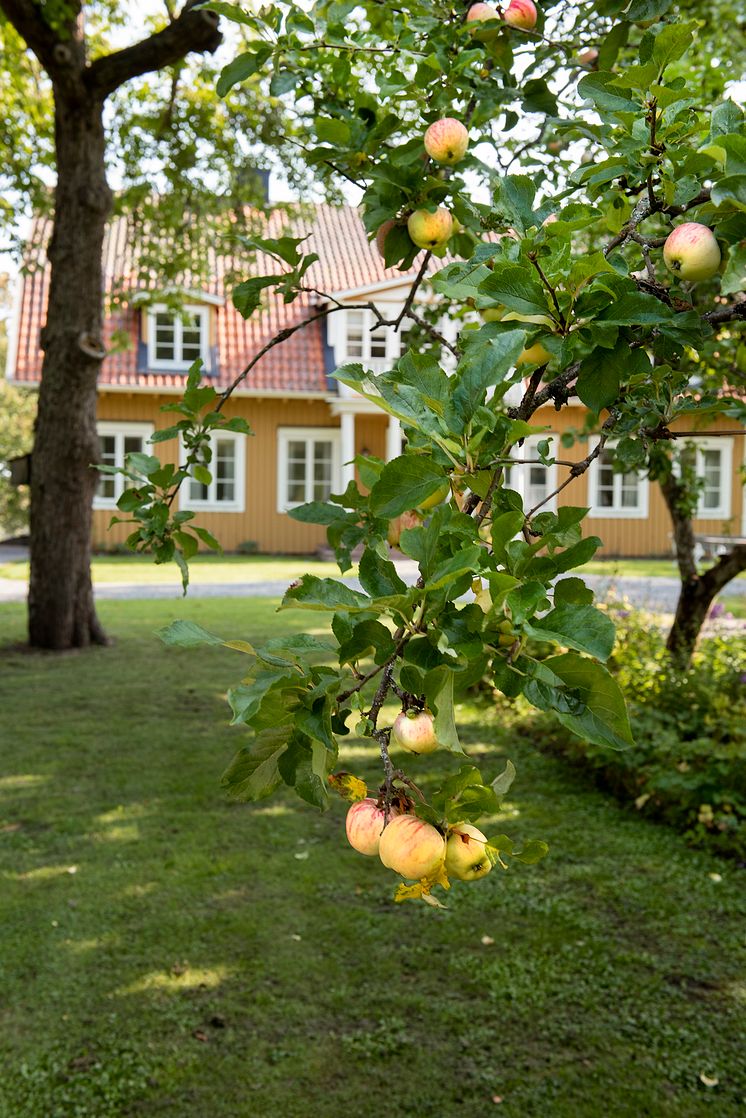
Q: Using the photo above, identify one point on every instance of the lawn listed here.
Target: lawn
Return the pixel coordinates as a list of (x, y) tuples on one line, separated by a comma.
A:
[(164, 952), (209, 569)]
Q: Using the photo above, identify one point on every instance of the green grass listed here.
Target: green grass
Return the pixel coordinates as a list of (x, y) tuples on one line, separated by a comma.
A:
[(204, 569), (210, 960)]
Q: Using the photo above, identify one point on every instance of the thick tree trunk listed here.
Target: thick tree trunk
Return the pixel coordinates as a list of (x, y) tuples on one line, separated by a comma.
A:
[(61, 608), (697, 591)]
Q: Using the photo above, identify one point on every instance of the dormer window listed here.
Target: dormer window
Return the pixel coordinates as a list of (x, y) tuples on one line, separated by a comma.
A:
[(176, 340)]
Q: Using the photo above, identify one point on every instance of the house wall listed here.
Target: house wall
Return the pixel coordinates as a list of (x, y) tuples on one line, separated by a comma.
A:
[(273, 532)]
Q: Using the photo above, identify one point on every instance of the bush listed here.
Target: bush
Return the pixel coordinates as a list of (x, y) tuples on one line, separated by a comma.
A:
[(688, 764)]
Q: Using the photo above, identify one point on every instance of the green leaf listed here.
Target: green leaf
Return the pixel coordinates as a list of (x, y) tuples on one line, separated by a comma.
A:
[(368, 637), (187, 634), (605, 720), (439, 694), (572, 590), (734, 276), (605, 94), (254, 772), (582, 627), (378, 576), (465, 561), (480, 368), (501, 784), (514, 197), (334, 132), (405, 483), (599, 380), (201, 474), (318, 512), (672, 42), (311, 592), (518, 291), (241, 68)]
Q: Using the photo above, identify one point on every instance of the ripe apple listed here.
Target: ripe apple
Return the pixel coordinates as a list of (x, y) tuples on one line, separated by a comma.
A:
[(430, 229), (588, 59), (549, 220), (478, 14), (521, 13), (466, 857), (534, 355), (415, 731), (409, 519), (692, 252), (411, 847), (446, 141), (364, 825), (382, 234), (436, 498)]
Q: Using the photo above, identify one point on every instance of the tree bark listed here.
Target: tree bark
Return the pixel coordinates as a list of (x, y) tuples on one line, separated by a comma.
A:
[(61, 609), (697, 591)]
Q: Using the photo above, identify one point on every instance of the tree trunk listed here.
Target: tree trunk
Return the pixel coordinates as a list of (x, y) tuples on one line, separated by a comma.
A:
[(61, 609), (697, 591)]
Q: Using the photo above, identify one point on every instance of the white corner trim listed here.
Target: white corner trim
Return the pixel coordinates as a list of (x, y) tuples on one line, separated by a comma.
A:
[(13, 325)]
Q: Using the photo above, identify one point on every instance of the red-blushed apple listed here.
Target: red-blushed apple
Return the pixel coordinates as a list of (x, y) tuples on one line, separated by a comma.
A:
[(410, 519), (692, 252), (415, 731), (588, 59), (549, 220), (466, 857), (430, 229), (536, 354), (436, 498), (521, 13), (479, 14), (411, 847), (382, 234), (446, 141), (364, 825)]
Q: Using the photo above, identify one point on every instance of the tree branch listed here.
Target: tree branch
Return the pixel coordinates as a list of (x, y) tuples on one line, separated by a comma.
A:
[(194, 30), (26, 18)]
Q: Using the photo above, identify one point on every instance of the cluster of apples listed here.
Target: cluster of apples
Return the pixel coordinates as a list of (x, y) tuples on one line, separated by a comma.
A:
[(519, 13), (415, 849)]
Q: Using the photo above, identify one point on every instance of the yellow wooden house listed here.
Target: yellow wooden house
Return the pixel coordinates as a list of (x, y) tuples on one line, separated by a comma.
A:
[(307, 427)]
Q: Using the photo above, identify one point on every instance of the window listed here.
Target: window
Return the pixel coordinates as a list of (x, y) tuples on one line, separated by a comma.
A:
[(374, 345), (175, 341), (115, 441), (615, 494), (308, 465), (534, 482), (225, 493), (712, 460)]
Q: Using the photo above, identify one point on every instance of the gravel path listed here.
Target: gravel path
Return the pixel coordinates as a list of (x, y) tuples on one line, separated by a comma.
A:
[(658, 594)]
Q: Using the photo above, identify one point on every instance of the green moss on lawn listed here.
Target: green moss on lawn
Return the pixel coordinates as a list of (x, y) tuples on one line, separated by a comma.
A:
[(210, 960)]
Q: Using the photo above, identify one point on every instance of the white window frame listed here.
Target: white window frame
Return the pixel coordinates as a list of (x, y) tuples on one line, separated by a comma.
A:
[(725, 446), (211, 503), (286, 435), (178, 362), (519, 481), (119, 431), (616, 512), (393, 340)]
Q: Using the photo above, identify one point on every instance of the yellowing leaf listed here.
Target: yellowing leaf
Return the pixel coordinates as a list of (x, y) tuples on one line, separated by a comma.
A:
[(349, 787), (240, 646)]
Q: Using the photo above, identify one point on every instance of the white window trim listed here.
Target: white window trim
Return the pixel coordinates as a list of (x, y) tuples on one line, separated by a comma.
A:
[(519, 481), (393, 340), (599, 512), (725, 446), (286, 435), (119, 431), (203, 313), (211, 504)]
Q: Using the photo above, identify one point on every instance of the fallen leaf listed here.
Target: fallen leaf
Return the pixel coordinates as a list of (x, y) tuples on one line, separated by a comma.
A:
[(201, 1036), (708, 1080), (715, 876), (487, 941)]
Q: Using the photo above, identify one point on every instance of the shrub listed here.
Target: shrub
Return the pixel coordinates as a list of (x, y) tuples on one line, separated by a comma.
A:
[(688, 764)]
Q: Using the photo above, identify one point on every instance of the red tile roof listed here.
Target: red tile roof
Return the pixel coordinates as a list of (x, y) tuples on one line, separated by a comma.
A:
[(346, 261)]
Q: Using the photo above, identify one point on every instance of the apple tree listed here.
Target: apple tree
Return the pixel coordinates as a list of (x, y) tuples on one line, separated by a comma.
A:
[(568, 281)]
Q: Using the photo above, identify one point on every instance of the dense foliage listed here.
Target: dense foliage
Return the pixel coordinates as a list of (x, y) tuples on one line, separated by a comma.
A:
[(565, 265), (688, 762)]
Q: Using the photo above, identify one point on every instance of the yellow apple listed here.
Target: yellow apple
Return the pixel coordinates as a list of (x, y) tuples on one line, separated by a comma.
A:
[(466, 858), (534, 355), (436, 498), (492, 314), (430, 229), (446, 141), (415, 731), (521, 13), (692, 252), (411, 847)]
